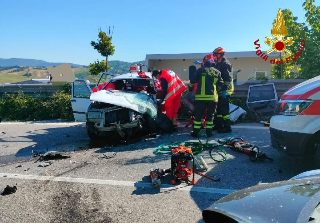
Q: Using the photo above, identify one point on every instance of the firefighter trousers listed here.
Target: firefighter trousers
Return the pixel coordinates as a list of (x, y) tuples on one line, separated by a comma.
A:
[(200, 108), (172, 108), (223, 114)]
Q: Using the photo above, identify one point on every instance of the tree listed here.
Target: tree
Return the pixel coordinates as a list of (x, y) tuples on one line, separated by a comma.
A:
[(286, 72), (97, 67), (309, 60), (104, 47)]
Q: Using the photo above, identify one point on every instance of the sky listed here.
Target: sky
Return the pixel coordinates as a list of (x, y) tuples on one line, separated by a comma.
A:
[(61, 30)]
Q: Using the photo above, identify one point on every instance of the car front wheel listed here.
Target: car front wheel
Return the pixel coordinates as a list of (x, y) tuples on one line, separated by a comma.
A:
[(93, 135)]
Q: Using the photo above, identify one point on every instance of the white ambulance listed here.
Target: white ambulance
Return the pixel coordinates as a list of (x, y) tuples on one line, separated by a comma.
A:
[(296, 127)]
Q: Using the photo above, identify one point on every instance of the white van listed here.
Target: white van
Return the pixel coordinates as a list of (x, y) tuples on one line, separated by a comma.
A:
[(296, 127)]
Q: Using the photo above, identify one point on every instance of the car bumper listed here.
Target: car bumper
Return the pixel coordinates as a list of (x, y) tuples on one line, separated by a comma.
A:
[(294, 143), (98, 125)]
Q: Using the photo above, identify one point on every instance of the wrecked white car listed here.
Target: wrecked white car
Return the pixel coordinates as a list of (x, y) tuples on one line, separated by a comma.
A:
[(126, 104)]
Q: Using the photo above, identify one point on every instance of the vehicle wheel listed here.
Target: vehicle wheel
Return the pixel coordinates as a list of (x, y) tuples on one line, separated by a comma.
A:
[(150, 124), (93, 135)]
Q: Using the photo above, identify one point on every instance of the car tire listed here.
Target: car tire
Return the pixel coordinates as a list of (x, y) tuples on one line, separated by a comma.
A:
[(93, 135), (149, 124)]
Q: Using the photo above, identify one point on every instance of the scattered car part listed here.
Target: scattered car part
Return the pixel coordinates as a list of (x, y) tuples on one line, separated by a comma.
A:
[(262, 98), (8, 190)]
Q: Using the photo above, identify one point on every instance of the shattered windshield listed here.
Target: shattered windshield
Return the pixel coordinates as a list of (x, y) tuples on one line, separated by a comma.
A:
[(144, 102)]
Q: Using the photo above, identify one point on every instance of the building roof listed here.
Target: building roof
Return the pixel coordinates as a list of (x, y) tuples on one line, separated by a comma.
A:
[(201, 55)]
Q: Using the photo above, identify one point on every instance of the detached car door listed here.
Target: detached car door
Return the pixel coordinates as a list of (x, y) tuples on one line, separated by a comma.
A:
[(80, 99)]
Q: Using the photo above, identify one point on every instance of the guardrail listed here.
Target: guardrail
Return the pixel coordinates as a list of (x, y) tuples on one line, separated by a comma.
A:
[(33, 90), (39, 90)]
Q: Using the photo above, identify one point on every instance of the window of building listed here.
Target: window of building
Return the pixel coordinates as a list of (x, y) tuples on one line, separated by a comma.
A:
[(260, 74)]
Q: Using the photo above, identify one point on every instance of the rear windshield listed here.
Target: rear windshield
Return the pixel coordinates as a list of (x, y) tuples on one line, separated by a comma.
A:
[(261, 93)]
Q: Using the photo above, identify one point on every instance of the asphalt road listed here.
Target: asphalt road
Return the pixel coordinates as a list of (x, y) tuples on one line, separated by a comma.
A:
[(108, 182)]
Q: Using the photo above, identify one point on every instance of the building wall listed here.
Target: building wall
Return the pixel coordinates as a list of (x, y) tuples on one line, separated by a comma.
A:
[(248, 65), (179, 66)]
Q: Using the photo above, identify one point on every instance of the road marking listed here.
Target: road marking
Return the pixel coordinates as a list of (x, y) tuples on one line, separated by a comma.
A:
[(249, 127), (117, 183)]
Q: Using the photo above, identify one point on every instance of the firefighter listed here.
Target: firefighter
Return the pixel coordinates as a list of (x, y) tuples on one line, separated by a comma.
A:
[(206, 96), (222, 122), (172, 88)]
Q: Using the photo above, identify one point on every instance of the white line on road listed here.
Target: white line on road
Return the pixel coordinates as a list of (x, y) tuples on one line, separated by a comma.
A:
[(117, 183), (250, 127)]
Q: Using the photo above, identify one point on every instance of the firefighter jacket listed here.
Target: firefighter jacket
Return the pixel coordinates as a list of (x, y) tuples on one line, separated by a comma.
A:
[(226, 74), (208, 78), (175, 85)]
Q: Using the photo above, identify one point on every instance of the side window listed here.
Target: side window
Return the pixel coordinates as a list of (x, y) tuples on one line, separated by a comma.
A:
[(260, 74), (80, 90)]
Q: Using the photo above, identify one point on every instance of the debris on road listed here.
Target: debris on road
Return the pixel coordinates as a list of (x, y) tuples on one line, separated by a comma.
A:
[(108, 156), (52, 155), (8, 190), (45, 164)]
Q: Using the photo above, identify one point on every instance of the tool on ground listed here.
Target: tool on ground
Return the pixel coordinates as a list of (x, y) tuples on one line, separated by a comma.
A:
[(216, 151), (241, 146), (210, 178), (182, 165), (156, 174), (200, 164)]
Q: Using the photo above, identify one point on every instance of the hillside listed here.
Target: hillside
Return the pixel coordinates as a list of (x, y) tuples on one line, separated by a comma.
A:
[(30, 63), (17, 73)]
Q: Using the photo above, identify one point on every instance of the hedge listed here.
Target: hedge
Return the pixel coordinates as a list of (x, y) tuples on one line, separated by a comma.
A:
[(20, 107)]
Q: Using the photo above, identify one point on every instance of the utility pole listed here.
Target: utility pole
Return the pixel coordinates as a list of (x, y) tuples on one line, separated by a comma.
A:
[(280, 66)]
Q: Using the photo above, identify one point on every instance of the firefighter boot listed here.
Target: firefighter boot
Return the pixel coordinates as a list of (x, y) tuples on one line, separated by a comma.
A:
[(226, 127), (218, 124)]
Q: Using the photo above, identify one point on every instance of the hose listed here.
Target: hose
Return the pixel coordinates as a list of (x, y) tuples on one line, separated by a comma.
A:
[(215, 149)]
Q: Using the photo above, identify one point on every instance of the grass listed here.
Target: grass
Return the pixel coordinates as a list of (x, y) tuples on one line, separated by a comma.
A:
[(9, 76)]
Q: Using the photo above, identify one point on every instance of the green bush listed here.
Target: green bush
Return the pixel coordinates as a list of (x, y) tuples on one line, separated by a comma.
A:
[(25, 108)]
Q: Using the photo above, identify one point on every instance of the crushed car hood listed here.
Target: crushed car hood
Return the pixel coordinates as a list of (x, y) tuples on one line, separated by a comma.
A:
[(138, 102)]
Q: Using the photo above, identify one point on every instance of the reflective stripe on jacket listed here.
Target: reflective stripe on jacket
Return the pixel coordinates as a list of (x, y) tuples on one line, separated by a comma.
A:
[(207, 80), (175, 85)]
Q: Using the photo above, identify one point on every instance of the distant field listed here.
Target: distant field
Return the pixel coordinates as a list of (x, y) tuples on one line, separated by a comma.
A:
[(20, 74)]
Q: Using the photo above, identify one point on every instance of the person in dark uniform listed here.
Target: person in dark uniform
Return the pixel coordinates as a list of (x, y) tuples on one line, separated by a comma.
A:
[(206, 96), (222, 122)]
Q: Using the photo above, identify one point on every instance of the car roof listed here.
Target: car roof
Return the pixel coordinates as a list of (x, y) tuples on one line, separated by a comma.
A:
[(133, 75)]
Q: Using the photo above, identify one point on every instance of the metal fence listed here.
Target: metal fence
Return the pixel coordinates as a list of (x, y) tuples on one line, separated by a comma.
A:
[(38, 90)]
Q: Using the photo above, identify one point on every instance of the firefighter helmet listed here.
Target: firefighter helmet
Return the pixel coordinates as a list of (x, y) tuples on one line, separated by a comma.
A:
[(219, 50), (207, 57)]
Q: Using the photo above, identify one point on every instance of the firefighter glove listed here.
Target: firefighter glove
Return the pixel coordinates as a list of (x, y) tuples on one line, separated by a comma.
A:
[(224, 94)]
